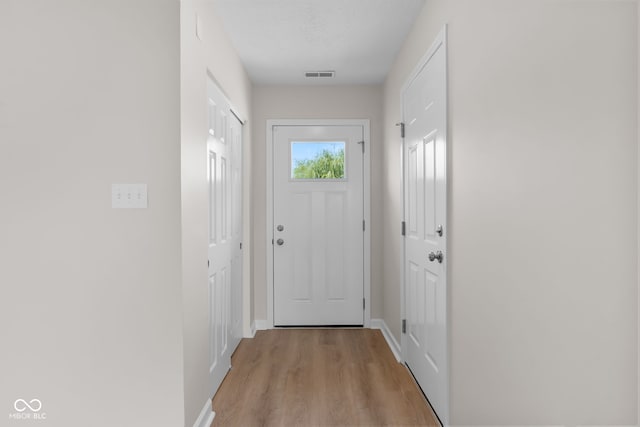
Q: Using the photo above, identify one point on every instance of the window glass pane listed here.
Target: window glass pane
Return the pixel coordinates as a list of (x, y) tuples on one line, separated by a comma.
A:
[(317, 160)]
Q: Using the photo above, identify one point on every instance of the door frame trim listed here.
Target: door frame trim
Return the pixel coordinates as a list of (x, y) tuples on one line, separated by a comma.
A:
[(365, 123)]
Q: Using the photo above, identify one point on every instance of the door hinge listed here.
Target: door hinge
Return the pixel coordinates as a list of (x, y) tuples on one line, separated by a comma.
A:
[(404, 326), (208, 263), (240, 245), (363, 303), (401, 124), (271, 241), (363, 225), (361, 142), (404, 228)]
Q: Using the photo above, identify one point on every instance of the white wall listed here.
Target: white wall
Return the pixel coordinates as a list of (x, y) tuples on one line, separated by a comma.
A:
[(91, 302), (214, 53), (315, 102), (638, 199), (543, 213)]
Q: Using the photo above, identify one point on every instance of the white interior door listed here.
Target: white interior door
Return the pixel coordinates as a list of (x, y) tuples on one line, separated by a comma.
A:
[(318, 229), (225, 262), (425, 177)]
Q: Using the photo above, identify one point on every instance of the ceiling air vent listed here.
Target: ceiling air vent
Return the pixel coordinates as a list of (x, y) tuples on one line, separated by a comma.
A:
[(316, 74)]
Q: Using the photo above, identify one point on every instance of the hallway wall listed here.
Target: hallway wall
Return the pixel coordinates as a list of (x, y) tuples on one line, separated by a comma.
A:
[(91, 318), (315, 102), (543, 213), (213, 53), (638, 197)]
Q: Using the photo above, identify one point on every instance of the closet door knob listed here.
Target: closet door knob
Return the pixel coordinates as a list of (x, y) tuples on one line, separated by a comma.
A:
[(436, 256)]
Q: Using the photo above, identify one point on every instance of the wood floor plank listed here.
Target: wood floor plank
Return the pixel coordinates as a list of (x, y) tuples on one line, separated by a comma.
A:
[(319, 377)]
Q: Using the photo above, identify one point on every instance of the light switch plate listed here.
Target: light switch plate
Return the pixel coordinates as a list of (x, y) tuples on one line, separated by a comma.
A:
[(129, 196)]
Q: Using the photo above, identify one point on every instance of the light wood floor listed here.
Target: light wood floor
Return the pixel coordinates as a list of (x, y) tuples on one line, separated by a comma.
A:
[(319, 377)]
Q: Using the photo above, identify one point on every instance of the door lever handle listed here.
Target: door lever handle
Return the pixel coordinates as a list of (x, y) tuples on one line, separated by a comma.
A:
[(436, 256)]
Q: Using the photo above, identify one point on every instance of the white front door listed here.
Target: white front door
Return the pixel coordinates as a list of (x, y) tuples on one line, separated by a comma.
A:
[(318, 225), (424, 102), (225, 262)]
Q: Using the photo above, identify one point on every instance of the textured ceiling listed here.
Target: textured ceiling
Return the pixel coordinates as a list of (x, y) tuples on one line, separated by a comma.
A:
[(279, 40)]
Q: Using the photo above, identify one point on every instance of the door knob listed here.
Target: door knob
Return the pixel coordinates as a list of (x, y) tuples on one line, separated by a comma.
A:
[(280, 242), (280, 227), (437, 256)]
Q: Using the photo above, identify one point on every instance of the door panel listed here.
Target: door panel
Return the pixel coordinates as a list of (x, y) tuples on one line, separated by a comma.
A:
[(219, 262), (225, 261), (319, 253), (425, 347), (213, 323)]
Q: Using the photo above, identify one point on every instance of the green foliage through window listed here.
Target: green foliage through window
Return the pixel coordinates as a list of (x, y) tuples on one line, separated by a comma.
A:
[(325, 165)]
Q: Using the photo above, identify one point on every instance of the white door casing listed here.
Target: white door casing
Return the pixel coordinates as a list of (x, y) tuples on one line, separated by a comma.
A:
[(224, 169), (319, 272), (236, 334), (425, 337)]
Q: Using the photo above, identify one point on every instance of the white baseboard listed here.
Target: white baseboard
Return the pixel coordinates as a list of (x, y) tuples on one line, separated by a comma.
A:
[(388, 336), (206, 416), (253, 329), (261, 325)]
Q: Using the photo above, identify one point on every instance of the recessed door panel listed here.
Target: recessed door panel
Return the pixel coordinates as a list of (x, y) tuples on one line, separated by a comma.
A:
[(414, 166), (213, 322), (429, 186), (224, 193), (213, 193), (335, 270), (414, 283)]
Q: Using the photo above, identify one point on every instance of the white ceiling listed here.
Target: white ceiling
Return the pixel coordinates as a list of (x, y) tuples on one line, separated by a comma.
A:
[(279, 40)]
